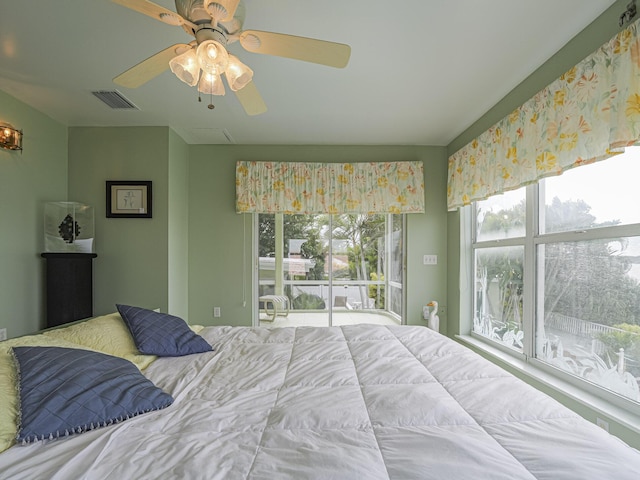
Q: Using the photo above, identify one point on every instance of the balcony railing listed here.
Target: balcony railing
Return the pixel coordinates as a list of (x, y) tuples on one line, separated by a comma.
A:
[(373, 295)]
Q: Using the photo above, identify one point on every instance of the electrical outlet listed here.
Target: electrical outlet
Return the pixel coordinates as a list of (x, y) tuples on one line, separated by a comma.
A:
[(3, 334), (216, 312), (603, 424)]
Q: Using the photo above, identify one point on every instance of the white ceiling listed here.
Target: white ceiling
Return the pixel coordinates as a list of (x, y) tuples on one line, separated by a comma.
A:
[(420, 73)]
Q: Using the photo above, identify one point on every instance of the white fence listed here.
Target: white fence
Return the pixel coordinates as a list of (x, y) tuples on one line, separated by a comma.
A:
[(575, 326), (580, 328)]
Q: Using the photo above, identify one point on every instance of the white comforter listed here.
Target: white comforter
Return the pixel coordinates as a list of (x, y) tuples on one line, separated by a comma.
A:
[(353, 402)]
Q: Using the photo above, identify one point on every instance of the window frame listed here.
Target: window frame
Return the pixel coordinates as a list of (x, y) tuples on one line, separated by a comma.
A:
[(534, 195), (501, 242), (388, 222)]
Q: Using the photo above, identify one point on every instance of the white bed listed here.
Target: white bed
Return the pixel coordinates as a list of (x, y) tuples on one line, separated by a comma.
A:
[(352, 402)]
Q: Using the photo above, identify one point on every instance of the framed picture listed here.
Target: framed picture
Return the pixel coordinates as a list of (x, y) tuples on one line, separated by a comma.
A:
[(128, 199)]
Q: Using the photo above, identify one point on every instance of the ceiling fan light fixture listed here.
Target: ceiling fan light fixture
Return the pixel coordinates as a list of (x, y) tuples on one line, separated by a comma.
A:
[(211, 84), (185, 67), (237, 73), (212, 57)]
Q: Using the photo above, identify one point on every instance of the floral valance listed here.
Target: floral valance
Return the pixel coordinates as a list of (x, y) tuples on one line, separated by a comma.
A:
[(304, 188), (588, 114)]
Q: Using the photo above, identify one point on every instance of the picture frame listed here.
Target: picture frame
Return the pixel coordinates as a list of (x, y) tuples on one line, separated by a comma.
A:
[(129, 199)]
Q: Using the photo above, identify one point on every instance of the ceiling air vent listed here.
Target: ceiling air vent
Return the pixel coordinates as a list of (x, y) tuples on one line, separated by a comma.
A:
[(115, 99)]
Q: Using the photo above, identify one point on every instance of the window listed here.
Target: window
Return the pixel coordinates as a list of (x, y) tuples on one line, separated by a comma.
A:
[(557, 273), (333, 269), (499, 267)]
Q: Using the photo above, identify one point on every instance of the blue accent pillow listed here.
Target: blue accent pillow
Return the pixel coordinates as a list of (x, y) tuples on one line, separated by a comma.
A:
[(64, 391), (161, 334)]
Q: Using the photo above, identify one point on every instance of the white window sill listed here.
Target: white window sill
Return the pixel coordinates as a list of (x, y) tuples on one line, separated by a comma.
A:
[(599, 405)]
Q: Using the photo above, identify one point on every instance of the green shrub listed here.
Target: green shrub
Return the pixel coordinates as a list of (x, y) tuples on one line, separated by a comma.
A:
[(374, 289), (627, 336), (308, 301)]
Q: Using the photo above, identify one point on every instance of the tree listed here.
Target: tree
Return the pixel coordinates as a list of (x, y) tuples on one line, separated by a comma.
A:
[(266, 235), (587, 280), (377, 291), (626, 337), (314, 249), (504, 223), (502, 268), (362, 232), (295, 227)]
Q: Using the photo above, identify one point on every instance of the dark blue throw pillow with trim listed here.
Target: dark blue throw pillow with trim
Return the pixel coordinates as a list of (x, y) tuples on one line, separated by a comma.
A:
[(66, 391), (161, 334)]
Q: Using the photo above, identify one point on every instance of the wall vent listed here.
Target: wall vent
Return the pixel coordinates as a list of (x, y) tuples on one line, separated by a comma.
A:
[(115, 99)]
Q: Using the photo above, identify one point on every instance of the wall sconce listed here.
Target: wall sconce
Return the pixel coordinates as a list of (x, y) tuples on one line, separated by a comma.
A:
[(10, 138)]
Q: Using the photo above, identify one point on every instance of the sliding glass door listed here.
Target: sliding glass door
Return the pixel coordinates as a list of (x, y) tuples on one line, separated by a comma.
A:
[(324, 270)]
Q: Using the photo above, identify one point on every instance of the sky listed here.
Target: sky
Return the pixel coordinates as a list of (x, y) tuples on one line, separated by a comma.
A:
[(610, 196)]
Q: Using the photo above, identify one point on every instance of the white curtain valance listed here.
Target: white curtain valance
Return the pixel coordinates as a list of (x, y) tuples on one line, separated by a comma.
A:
[(305, 188), (588, 114)]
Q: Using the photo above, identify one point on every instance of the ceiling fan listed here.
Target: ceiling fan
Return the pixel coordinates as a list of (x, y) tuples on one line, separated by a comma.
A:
[(202, 62)]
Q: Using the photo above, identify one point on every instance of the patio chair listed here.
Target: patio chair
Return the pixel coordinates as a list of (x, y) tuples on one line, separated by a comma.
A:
[(341, 301), (279, 306)]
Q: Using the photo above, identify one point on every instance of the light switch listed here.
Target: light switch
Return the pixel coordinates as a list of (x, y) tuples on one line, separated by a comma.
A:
[(430, 259)]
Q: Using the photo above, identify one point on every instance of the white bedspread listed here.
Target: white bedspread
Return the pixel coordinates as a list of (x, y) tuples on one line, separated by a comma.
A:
[(353, 402)]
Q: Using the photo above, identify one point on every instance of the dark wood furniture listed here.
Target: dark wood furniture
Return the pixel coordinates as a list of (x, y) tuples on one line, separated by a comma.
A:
[(69, 286)]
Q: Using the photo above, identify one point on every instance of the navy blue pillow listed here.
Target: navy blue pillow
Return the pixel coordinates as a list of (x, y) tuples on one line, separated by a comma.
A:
[(64, 391), (161, 334)]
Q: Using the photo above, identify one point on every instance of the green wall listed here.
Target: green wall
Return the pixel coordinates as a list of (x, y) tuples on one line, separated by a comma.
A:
[(132, 266), (219, 237), (28, 180), (178, 207)]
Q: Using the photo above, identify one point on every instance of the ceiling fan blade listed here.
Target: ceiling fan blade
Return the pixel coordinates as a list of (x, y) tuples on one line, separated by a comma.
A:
[(299, 48), (155, 11), (149, 68), (251, 100), (231, 6)]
